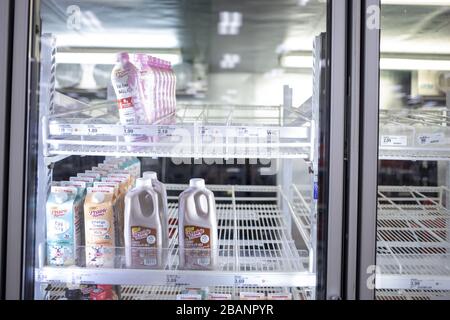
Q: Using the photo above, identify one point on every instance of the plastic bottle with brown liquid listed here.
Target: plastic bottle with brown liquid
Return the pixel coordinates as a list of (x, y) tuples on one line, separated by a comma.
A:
[(143, 228), (160, 189), (197, 227)]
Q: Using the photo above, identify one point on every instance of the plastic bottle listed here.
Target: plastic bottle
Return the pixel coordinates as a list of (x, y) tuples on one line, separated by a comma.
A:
[(147, 84), (197, 227), (143, 228), (125, 80), (160, 189)]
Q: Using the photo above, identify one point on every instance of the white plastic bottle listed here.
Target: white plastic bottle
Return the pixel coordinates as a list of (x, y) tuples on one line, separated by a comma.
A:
[(160, 189), (125, 80), (143, 228), (197, 227)]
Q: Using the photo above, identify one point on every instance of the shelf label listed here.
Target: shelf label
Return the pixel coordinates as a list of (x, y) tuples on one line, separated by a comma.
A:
[(433, 138), (396, 141), (175, 279), (416, 284), (249, 281)]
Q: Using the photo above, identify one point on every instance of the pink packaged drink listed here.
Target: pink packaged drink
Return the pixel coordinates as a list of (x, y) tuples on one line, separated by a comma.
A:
[(147, 85), (172, 94), (155, 64), (125, 80)]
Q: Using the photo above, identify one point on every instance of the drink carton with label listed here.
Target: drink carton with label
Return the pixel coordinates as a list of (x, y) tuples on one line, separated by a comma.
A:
[(63, 226)]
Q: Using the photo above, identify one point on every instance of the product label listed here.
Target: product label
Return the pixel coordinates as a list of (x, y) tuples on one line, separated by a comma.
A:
[(146, 238), (143, 237), (60, 254), (99, 256), (394, 141), (197, 247), (196, 237), (433, 138)]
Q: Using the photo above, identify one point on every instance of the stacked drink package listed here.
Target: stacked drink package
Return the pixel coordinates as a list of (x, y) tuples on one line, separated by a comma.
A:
[(145, 88)]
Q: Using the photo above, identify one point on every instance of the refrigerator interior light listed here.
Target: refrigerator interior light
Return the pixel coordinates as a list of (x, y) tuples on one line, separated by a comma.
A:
[(109, 58), (291, 60), (303, 60), (414, 64), (416, 2)]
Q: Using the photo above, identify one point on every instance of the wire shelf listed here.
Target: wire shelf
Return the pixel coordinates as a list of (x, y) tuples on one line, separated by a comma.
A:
[(421, 134), (387, 294), (255, 247), (194, 131), (128, 292), (413, 250)]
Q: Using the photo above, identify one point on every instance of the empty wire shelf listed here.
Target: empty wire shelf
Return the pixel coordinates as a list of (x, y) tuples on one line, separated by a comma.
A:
[(413, 247)]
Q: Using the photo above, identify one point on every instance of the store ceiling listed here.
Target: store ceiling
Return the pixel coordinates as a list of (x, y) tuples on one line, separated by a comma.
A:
[(267, 28)]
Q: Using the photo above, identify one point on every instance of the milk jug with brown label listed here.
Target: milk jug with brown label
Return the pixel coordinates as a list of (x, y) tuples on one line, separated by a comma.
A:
[(197, 227), (143, 228), (160, 189)]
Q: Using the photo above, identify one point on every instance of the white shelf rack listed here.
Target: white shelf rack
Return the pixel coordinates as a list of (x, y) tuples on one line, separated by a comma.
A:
[(413, 250), (170, 292), (419, 135), (194, 131), (387, 294), (255, 247)]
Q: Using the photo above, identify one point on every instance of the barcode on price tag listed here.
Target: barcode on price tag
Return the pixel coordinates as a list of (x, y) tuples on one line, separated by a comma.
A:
[(433, 138), (400, 141)]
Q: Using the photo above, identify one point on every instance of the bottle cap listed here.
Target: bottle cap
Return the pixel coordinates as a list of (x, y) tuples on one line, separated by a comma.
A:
[(150, 175), (60, 197), (98, 197), (122, 57), (197, 182), (140, 182)]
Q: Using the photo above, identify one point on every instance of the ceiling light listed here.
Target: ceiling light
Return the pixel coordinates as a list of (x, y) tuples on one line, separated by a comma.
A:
[(229, 23)]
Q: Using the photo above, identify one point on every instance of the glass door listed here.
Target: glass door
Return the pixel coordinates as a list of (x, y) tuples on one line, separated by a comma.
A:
[(413, 223), (136, 99)]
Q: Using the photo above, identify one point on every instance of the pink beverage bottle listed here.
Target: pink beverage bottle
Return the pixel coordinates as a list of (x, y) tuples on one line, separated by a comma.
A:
[(153, 63), (173, 94), (162, 89), (146, 82), (166, 84), (125, 81)]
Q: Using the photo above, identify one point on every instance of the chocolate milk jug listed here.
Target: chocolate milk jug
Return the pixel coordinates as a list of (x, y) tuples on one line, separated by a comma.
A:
[(160, 189), (197, 227), (143, 228)]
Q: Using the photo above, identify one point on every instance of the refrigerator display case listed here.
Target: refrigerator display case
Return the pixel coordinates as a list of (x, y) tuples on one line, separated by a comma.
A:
[(255, 84), (412, 245)]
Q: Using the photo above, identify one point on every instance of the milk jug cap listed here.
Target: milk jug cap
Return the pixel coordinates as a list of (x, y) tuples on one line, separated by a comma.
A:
[(98, 197), (197, 182), (140, 182), (60, 197), (150, 175)]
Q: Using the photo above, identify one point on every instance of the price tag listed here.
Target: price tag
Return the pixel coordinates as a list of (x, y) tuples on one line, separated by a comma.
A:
[(394, 141), (416, 284), (249, 281), (61, 129), (93, 130), (175, 279), (433, 138)]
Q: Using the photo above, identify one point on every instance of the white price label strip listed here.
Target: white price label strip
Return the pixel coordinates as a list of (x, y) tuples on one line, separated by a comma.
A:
[(394, 141), (249, 281), (432, 138)]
